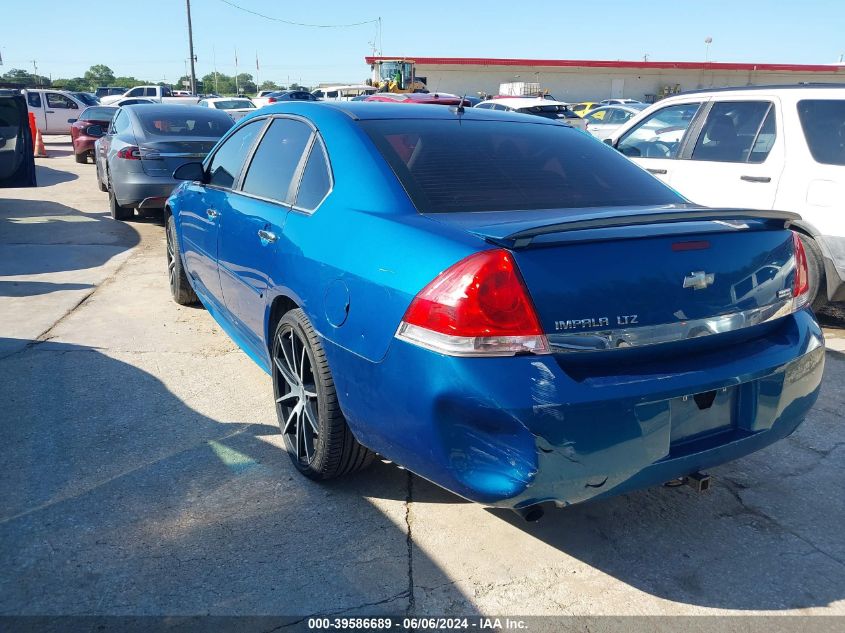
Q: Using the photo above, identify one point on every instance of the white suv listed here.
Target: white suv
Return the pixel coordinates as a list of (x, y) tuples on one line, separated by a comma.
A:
[(758, 147)]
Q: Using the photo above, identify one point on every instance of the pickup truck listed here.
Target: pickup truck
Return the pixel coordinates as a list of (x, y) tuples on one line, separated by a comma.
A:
[(53, 108), (161, 94)]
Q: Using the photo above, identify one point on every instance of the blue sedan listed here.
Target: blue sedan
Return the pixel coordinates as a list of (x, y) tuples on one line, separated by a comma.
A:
[(502, 305)]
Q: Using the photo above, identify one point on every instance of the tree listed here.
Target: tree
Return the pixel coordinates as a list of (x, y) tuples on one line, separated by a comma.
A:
[(269, 85), (128, 82), (18, 76), (100, 75), (76, 84)]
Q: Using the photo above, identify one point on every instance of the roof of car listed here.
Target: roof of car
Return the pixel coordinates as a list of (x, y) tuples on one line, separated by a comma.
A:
[(525, 102), (369, 110), (160, 109), (767, 87)]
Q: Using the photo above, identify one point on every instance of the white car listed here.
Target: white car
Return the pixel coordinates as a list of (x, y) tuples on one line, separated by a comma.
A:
[(53, 108), (619, 102), (604, 121), (260, 100), (344, 93), (233, 106), (538, 106), (756, 147)]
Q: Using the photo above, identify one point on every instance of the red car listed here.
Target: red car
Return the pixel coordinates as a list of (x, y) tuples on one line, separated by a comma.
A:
[(430, 98), (83, 143)]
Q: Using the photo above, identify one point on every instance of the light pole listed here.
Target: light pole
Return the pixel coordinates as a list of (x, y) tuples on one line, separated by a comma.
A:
[(191, 49), (707, 41)]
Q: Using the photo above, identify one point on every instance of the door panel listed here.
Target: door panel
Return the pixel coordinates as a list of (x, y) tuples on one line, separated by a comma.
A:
[(17, 165), (737, 159), (249, 233), (199, 222), (59, 109)]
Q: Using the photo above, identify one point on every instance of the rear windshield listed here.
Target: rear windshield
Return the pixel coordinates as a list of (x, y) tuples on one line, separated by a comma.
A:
[(233, 104), (457, 165), (213, 124), (101, 113), (550, 111), (823, 121), (85, 98)]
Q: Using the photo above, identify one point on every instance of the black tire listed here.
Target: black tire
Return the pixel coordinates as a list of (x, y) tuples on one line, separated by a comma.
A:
[(180, 287), (317, 438), (118, 212), (815, 270), (81, 158)]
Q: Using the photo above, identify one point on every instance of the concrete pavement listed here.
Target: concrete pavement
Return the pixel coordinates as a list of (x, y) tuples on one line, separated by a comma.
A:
[(142, 474)]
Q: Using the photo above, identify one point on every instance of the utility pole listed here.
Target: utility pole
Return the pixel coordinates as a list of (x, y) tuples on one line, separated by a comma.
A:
[(191, 49), (35, 76)]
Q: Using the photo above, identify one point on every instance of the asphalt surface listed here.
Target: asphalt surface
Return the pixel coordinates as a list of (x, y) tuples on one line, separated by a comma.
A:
[(142, 473)]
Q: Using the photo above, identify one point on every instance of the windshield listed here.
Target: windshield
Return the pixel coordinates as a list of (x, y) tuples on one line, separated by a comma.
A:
[(98, 113), (234, 104), (457, 165), (86, 98)]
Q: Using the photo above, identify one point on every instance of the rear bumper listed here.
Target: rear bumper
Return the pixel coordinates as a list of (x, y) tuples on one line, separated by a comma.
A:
[(142, 191), (83, 144), (512, 432)]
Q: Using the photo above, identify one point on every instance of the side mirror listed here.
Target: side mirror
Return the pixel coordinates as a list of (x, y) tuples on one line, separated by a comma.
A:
[(609, 141), (72, 120), (193, 171), (94, 130)]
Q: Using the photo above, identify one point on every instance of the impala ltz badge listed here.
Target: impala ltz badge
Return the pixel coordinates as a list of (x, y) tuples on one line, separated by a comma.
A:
[(699, 280)]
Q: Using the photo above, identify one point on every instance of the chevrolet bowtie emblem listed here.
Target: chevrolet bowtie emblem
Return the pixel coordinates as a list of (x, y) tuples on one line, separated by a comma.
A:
[(699, 280)]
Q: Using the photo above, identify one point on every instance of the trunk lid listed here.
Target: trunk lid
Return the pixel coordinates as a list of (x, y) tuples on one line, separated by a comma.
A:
[(603, 278), (161, 157)]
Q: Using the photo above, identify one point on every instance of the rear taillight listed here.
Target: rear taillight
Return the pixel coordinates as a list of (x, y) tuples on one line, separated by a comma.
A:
[(801, 285), (271, 99), (137, 153), (129, 152), (478, 307)]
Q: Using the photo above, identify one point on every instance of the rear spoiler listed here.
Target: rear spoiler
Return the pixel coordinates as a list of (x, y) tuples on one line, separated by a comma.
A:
[(521, 239)]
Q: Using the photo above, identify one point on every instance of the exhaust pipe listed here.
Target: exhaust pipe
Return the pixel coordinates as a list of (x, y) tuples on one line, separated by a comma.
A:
[(700, 482), (531, 514)]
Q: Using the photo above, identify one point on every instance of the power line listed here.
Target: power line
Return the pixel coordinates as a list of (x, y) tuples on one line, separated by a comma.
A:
[(313, 26)]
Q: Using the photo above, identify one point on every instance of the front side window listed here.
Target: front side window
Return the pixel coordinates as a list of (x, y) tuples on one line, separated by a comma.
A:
[(135, 92), (731, 131), (450, 166), (823, 122), (276, 160), (660, 134), (225, 165), (59, 102)]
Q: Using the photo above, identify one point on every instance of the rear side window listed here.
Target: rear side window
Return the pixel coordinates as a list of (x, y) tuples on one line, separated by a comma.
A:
[(225, 165), (316, 181), (823, 121), (276, 160), (33, 99), (453, 165), (731, 131)]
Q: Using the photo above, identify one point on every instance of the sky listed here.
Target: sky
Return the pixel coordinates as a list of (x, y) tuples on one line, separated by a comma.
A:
[(149, 40)]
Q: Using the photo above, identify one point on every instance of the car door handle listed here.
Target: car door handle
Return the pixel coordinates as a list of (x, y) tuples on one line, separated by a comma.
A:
[(51, 111), (267, 236), (756, 178), (211, 213), (652, 170)]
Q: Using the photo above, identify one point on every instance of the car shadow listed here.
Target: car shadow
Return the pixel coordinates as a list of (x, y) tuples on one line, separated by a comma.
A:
[(119, 499), (47, 176), (86, 240), (32, 288), (767, 536)]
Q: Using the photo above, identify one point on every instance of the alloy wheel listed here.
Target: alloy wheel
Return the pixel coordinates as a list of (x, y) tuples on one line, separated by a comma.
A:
[(171, 261), (296, 399)]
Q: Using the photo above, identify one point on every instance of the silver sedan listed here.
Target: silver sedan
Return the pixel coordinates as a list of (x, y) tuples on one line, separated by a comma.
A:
[(142, 147)]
